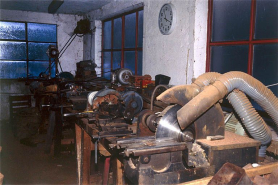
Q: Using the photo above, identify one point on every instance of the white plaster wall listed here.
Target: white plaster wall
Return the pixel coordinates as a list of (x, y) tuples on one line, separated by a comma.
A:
[(65, 26), (172, 55), (200, 37)]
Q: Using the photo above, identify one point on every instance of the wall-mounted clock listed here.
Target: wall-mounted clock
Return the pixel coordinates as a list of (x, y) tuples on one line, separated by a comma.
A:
[(167, 19)]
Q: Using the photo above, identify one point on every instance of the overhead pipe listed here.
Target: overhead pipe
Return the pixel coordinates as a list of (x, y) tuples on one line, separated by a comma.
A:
[(222, 86)]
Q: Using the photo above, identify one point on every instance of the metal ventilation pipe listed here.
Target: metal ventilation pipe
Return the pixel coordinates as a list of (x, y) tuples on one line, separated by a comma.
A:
[(253, 122), (222, 86), (180, 94)]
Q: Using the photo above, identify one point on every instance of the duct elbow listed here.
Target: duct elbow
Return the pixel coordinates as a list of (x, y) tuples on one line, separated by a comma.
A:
[(200, 104)]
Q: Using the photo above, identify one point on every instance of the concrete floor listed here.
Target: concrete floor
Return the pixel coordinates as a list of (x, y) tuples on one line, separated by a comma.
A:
[(21, 164)]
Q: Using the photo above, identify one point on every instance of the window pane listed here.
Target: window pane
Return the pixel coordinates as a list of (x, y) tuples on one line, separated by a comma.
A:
[(107, 35), (107, 65), (13, 69), (12, 50), (12, 30), (139, 63), (266, 26), (130, 27), (140, 29), (265, 66), (117, 60), (35, 68), (41, 32), (37, 51), (229, 58), (231, 20), (117, 37), (130, 60)]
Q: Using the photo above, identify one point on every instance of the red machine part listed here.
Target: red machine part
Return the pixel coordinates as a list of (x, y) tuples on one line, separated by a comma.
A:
[(145, 83), (137, 81)]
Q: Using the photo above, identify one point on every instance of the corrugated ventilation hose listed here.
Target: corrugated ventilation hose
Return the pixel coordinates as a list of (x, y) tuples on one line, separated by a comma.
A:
[(250, 118)]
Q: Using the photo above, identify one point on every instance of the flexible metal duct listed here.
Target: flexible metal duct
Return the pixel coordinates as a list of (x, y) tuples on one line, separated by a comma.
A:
[(222, 86), (206, 79), (253, 122)]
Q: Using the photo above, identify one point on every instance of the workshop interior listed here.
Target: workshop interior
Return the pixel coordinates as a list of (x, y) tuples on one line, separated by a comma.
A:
[(139, 92)]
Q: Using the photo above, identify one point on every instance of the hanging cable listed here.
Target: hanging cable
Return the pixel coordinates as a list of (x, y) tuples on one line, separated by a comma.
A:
[(66, 45)]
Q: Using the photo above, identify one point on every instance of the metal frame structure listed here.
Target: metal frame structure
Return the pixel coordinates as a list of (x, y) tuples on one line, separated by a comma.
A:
[(123, 49), (27, 43), (249, 42)]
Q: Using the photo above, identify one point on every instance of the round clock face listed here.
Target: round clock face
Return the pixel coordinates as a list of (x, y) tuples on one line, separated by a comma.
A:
[(167, 19)]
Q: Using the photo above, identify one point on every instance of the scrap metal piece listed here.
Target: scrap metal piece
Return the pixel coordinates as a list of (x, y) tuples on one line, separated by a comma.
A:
[(197, 156), (217, 137)]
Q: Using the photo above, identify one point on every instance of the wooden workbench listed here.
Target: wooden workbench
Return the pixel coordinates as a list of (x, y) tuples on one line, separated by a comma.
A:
[(85, 135)]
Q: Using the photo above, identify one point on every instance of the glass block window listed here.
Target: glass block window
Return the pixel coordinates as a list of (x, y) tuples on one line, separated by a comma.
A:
[(243, 36), (122, 41), (23, 49)]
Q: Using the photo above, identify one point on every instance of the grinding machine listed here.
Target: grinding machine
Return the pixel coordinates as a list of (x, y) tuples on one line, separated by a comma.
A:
[(190, 141), (110, 113)]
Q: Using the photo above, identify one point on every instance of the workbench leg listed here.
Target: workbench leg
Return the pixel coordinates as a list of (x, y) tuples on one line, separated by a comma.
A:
[(105, 175), (118, 177), (58, 134), (78, 148), (86, 159), (50, 131)]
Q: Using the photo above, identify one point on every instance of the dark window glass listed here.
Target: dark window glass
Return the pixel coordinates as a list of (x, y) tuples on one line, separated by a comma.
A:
[(123, 54), (130, 30), (229, 58), (37, 67), (231, 20), (13, 69), (117, 59), (140, 29), (41, 32), (117, 35), (107, 35), (12, 50), (37, 51), (140, 63), (266, 26), (13, 54), (130, 60), (265, 66), (12, 30), (107, 65)]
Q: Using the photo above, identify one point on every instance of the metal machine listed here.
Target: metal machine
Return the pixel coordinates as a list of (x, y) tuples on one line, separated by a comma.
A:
[(171, 156), (190, 141), (111, 112)]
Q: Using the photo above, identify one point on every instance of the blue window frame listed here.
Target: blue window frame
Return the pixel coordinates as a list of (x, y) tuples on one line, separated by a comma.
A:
[(23, 49)]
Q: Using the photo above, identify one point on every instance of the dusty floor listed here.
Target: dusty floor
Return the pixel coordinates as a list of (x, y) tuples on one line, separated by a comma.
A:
[(21, 164)]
